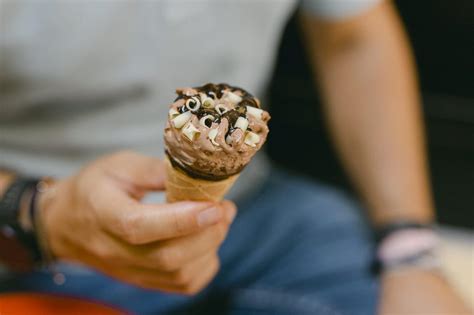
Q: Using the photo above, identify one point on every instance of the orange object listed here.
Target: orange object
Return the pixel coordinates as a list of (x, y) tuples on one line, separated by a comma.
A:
[(49, 304)]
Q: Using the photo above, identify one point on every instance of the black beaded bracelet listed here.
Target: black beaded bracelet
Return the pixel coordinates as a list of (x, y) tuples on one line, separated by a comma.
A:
[(9, 218), (11, 200)]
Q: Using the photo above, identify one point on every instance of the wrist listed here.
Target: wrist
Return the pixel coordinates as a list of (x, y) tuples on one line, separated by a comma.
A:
[(402, 245), (6, 178), (47, 195)]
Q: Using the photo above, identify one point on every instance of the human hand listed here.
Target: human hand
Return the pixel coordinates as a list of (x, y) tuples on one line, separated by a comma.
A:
[(95, 218), (418, 291)]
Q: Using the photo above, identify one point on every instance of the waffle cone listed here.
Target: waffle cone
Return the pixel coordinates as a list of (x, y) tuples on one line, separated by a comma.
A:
[(180, 186)]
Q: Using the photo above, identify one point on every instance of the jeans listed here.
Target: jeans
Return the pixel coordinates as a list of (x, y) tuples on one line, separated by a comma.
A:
[(296, 247)]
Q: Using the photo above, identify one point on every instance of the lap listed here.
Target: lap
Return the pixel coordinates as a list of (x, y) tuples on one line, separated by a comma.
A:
[(296, 247)]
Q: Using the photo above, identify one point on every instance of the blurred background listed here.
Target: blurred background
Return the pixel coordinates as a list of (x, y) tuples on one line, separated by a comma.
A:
[(442, 35)]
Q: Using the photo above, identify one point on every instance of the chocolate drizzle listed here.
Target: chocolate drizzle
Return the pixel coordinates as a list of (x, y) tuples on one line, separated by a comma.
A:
[(197, 174), (215, 91)]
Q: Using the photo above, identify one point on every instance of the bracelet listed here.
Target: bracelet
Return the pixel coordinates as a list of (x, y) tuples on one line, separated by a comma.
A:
[(22, 236), (404, 244), (48, 259), (22, 249)]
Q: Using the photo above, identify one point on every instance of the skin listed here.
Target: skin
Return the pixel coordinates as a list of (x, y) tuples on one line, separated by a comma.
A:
[(366, 76), (169, 247)]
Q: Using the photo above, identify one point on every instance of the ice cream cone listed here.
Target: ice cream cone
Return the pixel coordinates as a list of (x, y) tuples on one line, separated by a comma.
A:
[(180, 186), (212, 131)]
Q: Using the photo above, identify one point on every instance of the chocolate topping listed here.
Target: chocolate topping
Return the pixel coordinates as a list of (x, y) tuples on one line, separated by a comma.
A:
[(220, 136)]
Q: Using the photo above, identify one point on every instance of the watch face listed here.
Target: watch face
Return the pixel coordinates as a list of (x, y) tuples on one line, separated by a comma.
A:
[(13, 254)]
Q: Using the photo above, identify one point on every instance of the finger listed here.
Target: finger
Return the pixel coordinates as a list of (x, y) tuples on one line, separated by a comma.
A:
[(169, 255), (186, 280), (204, 278), (132, 277), (136, 223), (180, 281), (110, 267), (135, 171), (231, 210), (175, 253)]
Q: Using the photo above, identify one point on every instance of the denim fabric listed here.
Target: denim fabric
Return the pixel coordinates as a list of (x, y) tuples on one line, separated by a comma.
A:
[(295, 247)]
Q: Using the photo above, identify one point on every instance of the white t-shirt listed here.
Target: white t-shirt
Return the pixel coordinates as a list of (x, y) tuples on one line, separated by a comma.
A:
[(79, 79)]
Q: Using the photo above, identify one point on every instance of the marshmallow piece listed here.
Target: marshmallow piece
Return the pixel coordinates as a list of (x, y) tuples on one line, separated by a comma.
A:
[(191, 132), (208, 102), (180, 120), (242, 123), (212, 136), (173, 113), (251, 139), (234, 98), (255, 112)]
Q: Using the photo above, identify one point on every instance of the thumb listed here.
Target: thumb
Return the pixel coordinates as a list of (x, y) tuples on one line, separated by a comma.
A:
[(136, 171)]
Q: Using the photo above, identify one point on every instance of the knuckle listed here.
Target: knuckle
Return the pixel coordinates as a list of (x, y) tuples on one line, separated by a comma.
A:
[(128, 226), (181, 277), (165, 260), (103, 252), (181, 222)]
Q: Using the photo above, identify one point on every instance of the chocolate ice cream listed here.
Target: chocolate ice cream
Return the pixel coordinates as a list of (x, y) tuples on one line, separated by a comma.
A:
[(214, 130)]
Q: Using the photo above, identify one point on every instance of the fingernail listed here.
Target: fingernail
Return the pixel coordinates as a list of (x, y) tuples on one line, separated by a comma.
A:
[(208, 217)]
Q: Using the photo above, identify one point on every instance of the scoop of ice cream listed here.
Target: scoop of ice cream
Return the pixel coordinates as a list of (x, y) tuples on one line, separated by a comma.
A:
[(214, 130)]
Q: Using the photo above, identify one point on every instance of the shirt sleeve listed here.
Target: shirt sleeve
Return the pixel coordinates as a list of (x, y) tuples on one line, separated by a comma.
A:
[(337, 9)]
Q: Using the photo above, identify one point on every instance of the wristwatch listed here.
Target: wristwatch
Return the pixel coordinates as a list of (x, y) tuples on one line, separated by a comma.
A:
[(20, 248), (404, 244)]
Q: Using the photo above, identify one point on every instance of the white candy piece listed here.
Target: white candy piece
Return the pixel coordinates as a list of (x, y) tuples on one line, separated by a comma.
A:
[(241, 123), (193, 104), (212, 136), (228, 139), (255, 112), (221, 109), (203, 120), (234, 98), (214, 96), (208, 102), (173, 113), (251, 139), (191, 132), (180, 120)]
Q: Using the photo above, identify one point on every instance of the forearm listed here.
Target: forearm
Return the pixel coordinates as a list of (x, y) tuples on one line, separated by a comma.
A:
[(367, 81), (418, 292), (372, 108)]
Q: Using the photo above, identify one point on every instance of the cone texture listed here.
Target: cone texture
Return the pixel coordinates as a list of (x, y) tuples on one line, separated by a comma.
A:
[(180, 186)]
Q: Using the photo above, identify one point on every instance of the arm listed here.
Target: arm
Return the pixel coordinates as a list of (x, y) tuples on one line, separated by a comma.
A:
[(366, 76)]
